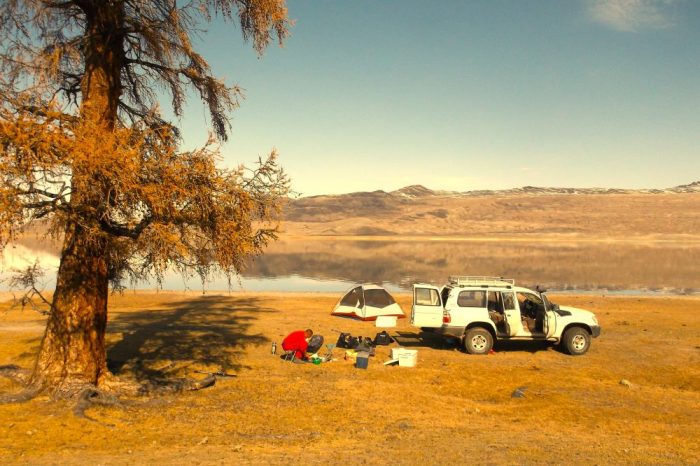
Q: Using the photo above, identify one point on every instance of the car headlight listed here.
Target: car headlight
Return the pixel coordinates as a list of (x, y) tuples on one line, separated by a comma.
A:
[(595, 321)]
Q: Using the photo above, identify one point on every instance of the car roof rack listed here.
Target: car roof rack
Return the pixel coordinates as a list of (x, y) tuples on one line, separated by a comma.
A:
[(474, 280)]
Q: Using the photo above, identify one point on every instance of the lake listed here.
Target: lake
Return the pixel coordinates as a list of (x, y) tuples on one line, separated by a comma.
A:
[(330, 265)]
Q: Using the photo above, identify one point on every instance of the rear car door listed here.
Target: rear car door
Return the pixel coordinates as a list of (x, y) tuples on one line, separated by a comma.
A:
[(427, 307), (511, 313)]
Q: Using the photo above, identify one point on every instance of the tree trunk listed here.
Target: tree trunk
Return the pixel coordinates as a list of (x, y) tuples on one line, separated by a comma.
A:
[(72, 353)]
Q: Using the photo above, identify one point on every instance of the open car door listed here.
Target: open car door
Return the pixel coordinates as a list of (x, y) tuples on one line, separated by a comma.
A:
[(511, 314), (549, 322), (427, 306)]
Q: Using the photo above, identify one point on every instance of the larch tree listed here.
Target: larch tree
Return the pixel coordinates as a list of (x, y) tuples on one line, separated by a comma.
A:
[(85, 148)]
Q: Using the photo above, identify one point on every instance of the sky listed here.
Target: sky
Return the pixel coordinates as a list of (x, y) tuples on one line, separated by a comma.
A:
[(465, 95)]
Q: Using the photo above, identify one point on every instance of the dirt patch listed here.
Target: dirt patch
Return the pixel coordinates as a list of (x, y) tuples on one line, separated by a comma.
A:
[(450, 407)]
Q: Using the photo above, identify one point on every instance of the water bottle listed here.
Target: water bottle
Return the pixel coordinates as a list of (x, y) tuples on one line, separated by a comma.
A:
[(274, 348)]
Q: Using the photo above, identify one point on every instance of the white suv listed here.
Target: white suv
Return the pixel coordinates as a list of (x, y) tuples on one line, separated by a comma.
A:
[(481, 310)]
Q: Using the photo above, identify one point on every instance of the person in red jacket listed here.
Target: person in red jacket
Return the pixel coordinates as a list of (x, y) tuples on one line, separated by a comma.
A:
[(298, 342)]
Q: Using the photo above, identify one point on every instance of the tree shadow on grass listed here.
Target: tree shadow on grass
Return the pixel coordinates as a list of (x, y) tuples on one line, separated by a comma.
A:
[(206, 333)]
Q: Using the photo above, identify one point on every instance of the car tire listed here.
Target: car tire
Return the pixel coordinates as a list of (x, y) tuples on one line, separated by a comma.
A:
[(576, 341), (478, 340)]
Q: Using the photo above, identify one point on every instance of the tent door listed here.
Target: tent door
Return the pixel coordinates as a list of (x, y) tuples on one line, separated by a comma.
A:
[(427, 307)]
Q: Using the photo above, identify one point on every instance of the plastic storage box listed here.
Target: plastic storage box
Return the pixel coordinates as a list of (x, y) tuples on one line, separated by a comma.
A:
[(408, 358), (385, 321)]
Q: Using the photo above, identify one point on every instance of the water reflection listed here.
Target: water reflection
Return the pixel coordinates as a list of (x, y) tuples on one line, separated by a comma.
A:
[(333, 265), (557, 266), (20, 256)]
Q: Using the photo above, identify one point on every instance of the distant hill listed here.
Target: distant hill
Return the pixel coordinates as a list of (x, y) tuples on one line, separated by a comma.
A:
[(687, 188), (417, 190), (419, 211), (671, 214)]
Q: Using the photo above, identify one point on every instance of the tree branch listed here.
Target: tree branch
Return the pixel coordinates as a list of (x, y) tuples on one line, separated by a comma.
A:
[(124, 231)]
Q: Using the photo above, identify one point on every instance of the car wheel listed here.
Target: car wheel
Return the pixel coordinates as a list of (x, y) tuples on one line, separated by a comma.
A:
[(576, 341), (478, 341)]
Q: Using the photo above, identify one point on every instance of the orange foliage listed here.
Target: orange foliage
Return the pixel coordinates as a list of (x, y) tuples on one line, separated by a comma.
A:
[(156, 207), (119, 175)]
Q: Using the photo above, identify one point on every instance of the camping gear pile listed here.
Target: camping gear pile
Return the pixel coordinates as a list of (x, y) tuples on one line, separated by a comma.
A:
[(358, 349), (367, 302), (360, 343), (361, 348)]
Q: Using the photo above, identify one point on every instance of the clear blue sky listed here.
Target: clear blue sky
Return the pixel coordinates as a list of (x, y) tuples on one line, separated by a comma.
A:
[(466, 95)]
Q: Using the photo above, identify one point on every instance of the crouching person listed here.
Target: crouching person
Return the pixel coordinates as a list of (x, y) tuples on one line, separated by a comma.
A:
[(298, 342)]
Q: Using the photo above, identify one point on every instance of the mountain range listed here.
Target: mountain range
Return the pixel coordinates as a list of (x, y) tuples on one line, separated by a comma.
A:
[(576, 212), (417, 191)]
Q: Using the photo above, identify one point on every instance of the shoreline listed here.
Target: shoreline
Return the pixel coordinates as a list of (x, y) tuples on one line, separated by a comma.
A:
[(690, 240), (6, 296)]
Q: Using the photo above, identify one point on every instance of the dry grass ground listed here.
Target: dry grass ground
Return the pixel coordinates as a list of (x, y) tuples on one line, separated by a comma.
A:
[(450, 407)]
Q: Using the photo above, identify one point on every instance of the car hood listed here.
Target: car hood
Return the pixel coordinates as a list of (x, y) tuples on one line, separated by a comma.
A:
[(579, 314)]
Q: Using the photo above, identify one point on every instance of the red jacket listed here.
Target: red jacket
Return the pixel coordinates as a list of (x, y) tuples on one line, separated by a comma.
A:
[(296, 341)]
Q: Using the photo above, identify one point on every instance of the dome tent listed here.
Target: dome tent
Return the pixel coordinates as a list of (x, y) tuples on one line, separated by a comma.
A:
[(367, 302)]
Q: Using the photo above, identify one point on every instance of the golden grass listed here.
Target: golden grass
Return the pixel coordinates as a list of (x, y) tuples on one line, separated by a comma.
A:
[(451, 407)]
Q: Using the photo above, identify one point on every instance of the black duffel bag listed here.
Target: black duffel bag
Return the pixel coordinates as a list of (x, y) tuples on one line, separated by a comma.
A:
[(345, 340), (383, 339)]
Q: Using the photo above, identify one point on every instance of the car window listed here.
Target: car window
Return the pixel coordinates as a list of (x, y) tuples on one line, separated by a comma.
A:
[(494, 302), (548, 304), (508, 301), (427, 297), (471, 299), (530, 300)]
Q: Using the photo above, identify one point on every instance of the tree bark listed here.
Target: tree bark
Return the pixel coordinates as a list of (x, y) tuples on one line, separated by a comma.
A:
[(72, 353)]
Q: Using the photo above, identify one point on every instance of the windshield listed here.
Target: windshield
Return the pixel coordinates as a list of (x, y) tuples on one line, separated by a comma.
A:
[(547, 303)]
